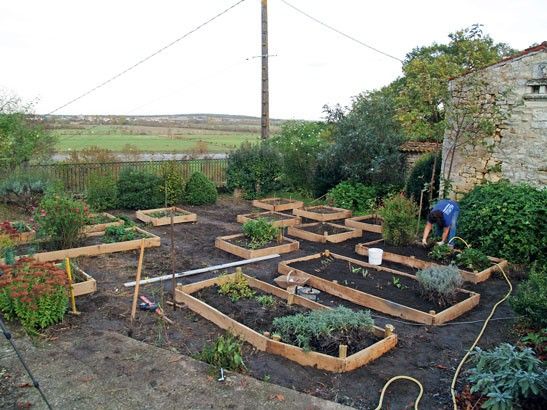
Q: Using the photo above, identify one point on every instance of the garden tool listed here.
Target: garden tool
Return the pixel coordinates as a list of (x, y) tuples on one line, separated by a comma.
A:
[(72, 298), (153, 307)]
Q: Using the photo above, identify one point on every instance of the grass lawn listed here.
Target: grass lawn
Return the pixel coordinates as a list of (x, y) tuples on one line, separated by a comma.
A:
[(151, 139)]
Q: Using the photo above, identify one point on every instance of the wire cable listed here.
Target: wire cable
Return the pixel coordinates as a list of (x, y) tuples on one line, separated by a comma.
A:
[(35, 383), (340, 32), (143, 60)]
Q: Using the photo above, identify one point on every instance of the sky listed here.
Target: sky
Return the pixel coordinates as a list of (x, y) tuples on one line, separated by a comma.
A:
[(54, 51)]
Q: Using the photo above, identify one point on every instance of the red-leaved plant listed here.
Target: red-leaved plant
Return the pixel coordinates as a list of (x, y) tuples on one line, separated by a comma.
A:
[(33, 292)]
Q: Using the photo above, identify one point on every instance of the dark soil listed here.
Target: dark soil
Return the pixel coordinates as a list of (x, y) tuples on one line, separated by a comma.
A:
[(245, 243), (396, 288), (372, 236), (321, 228), (163, 214), (280, 201), (323, 210), (272, 217), (428, 353), (373, 221)]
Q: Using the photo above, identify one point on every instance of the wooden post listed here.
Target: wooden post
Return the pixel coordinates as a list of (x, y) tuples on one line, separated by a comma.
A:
[(342, 351), (137, 285), (389, 329), (72, 298), (173, 280), (265, 119)]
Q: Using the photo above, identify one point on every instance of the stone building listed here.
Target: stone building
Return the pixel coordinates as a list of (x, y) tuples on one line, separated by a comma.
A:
[(514, 98)]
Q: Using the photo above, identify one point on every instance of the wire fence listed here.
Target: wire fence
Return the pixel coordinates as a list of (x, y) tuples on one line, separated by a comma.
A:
[(75, 177)]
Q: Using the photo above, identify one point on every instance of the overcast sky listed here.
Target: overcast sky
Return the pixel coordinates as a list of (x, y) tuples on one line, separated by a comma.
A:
[(54, 51)]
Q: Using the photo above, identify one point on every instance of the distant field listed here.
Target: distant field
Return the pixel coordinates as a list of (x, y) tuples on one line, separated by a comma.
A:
[(150, 139)]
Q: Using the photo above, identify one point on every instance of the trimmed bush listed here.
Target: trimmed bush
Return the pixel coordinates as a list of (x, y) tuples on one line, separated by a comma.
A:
[(420, 175), (256, 169), (353, 195), (102, 191), (530, 299), (139, 190), (200, 190), (399, 226), (506, 220)]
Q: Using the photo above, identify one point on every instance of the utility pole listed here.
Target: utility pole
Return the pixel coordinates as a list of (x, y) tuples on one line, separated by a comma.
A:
[(265, 119)]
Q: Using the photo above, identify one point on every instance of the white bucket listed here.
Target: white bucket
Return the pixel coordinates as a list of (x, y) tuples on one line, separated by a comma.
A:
[(375, 256)]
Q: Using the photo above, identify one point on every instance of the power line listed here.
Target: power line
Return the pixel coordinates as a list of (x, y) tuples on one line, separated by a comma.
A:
[(340, 32), (138, 63)]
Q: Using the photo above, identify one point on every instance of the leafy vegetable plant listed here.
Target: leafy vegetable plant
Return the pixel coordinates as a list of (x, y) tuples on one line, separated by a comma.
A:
[(265, 300), (441, 253), (259, 232), (473, 259), (118, 234), (237, 288), (224, 353)]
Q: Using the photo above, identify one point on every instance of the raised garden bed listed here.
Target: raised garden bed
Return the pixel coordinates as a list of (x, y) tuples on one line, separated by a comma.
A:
[(324, 232), (386, 340), (100, 221), (82, 283), (162, 216), (322, 213), (416, 263), (370, 223), (277, 219), (238, 245), (19, 232), (93, 246), (277, 204), (376, 287)]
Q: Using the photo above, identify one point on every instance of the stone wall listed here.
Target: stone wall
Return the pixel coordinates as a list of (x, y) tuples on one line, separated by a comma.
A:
[(517, 149)]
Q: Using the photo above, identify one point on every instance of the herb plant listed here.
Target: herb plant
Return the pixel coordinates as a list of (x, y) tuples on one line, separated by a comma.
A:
[(259, 232), (304, 329), (439, 284), (224, 353), (530, 299), (399, 215), (265, 301), (506, 375), (237, 288)]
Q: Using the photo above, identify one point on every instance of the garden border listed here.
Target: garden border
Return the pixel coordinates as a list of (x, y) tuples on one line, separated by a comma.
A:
[(473, 277), (263, 343), (21, 238), (87, 229), (290, 220), (308, 213), (315, 237), (221, 242), (356, 222), (375, 302), (89, 285), (263, 204), (166, 220)]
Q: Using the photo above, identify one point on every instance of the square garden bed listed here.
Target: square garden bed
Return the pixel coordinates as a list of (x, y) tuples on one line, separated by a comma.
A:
[(322, 213), (324, 232), (19, 232), (239, 245), (250, 321), (162, 216), (82, 283), (376, 287), (277, 219), (369, 223), (277, 204), (100, 221)]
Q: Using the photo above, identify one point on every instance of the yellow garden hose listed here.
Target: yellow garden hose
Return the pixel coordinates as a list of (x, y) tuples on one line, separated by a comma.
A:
[(412, 379), (452, 390)]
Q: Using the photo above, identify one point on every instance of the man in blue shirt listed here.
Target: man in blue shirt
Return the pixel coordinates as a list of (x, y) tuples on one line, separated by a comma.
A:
[(445, 215)]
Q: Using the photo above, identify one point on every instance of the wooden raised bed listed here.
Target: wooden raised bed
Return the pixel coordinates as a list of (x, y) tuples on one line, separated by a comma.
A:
[(223, 242), (22, 237), (474, 277), (277, 219), (363, 223), (102, 227), (82, 283), (263, 343), (375, 302), (277, 204), (322, 213), (301, 232), (166, 220), (92, 250)]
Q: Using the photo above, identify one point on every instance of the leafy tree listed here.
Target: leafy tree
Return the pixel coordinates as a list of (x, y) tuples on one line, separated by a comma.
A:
[(21, 139), (420, 178), (422, 101)]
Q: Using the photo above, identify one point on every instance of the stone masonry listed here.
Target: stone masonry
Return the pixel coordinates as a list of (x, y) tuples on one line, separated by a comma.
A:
[(516, 151)]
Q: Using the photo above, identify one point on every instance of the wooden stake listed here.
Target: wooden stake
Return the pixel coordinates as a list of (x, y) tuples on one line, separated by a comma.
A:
[(342, 351), (138, 284), (173, 280), (72, 298)]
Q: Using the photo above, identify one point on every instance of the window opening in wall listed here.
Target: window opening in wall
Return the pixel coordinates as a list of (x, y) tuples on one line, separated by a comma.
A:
[(535, 89)]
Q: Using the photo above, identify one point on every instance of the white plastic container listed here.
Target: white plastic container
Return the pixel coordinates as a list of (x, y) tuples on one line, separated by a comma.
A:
[(375, 256)]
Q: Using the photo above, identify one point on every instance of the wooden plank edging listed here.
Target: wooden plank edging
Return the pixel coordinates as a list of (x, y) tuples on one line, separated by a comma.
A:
[(263, 203), (221, 242), (357, 222), (289, 220), (143, 216), (301, 233), (102, 227), (307, 212)]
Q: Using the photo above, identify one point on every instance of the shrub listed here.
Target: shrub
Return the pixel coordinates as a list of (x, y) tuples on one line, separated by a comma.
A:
[(399, 225), (472, 259), (304, 329), (530, 299), (354, 196), (440, 283), (237, 288), (23, 189), (224, 353), (139, 190), (506, 375), (102, 191), (420, 177), (200, 190), (259, 232), (33, 292), (506, 220), (60, 219), (172, 187), (256, 169)]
